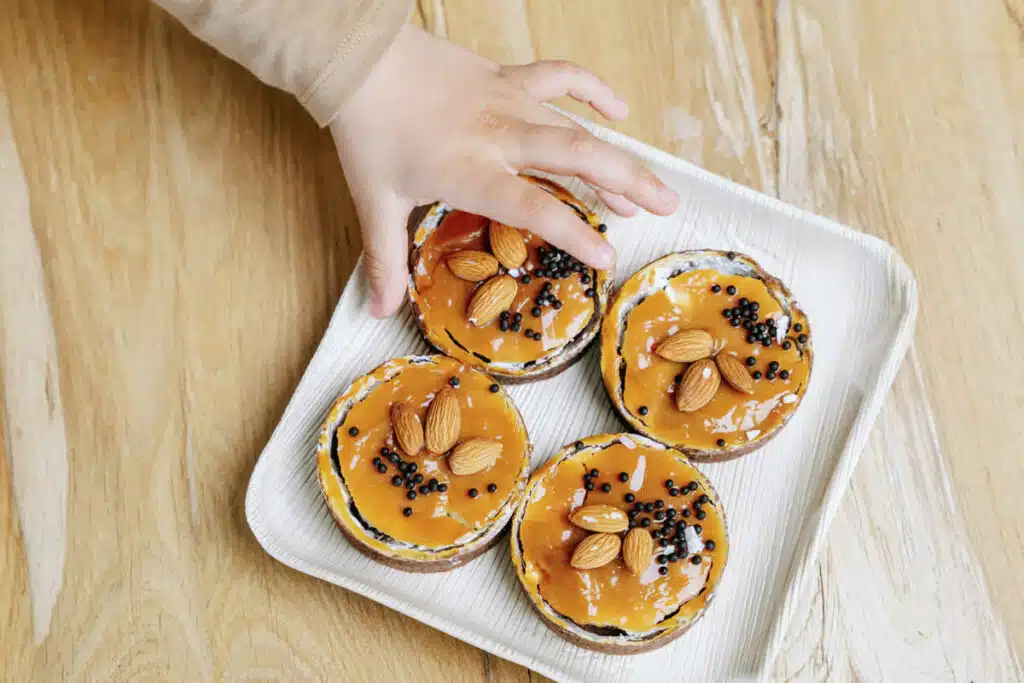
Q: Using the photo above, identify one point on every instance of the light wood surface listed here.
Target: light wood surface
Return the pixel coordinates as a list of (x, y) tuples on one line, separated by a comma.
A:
[(174, 236)]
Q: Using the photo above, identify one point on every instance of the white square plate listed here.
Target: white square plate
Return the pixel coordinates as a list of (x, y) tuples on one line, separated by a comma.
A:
[(861, 300)]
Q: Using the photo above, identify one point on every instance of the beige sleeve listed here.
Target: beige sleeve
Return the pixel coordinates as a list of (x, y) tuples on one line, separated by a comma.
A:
[(318, 50)]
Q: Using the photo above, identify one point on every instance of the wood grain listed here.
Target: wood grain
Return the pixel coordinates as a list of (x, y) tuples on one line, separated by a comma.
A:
[(194, 232)]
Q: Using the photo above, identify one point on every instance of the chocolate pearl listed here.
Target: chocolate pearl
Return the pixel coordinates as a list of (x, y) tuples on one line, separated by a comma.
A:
[(353, 431), (407, 512), (698, 528), (769, 375), (784, 374), (526, 279), (766, 343), (579, 444), (663, 570), (540, 273), (602, 228), (648, 507), (709, 545), (659, 504), (503, 325), (394, 458), (385, 451), (735, 322), (454, 381), (669, 483), (744, 301), (607, 488), (491, 488), (730, 290), (412, 468), (376, 461), (787, 345), (751, 339), (645, 522), (692, 486), (685, 512), (756, 374), (529, 333), (410, 494), (798, 328), (663, 543), (701, 514), (418, 479), (661, 559), (410, 484), (382, 468), (629, 498), (557, 305), (494, 388), (623, 477), (751, 361), (802, 338), (585, 279), (727, 313), (720, 443), (473, 493), (589, 486), (703, 500), (632, 514), (748, 326), (673, 557), (504, 315), (659, 515), (695, 559), (670, 513), (535, 312), (396, 480), (673, 492), (656, 534), (773, 366), (731, 255), (424, 490), (594, 473), (716, 288), (517, 318), (678, 378), (515, 327), (432, 484), (442, 487), (754, 306), (642, 410)]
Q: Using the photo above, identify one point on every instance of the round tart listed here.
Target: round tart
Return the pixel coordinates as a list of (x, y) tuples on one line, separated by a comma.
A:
[(422, 462), (619, 543), (704, 351), (501, 298)]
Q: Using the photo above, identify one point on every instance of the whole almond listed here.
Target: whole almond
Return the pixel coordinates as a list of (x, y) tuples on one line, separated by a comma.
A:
[(637, 550), (507, 245), (472, 265), (607, 519), (408, 430), (473, 456), (735, 373), (490, 299), (596, 550), (700, 382), (686, 346), (444, 421)]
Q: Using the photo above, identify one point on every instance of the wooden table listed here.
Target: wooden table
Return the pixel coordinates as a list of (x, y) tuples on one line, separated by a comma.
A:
[(175, 235)]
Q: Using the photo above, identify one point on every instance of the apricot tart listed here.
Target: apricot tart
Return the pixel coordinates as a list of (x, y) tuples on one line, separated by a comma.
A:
[(706, 352), (619, 543), (422, 462), (501, 298)]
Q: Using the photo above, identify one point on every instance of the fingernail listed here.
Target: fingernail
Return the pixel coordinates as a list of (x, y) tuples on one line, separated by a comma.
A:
[(376, 306), (604, 256), (668, 196)]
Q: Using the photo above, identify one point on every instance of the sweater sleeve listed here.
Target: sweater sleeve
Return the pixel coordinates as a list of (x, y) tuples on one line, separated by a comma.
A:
[(318, 50)]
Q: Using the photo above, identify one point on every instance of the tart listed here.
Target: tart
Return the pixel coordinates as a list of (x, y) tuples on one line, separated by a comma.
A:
[(619, 543), (706, 352), (422, 463), (501, 298)]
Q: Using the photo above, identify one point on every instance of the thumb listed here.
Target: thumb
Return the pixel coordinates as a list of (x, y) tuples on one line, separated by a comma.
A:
[(385, 251)]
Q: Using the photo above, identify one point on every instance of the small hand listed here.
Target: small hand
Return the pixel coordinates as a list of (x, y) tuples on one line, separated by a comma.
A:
[(436, 122)]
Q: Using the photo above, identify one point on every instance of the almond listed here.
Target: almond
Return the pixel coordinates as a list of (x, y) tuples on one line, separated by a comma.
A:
[(637, 550), (735, 373), (472, 265), (474, 455), (490, 299), (408, 430), (700, 382), (607, 519), (686, 346), (444, 421), (596, 550), (507, 245)]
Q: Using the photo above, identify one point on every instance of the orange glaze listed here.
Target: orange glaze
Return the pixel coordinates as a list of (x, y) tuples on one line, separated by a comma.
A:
[(731, 415), (438, 519), (611, 595), (443, 298)]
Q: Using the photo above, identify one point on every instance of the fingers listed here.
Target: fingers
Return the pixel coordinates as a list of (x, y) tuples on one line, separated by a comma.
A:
[(617, 203), (514, 201), (383, 223), (574, 151), (550, 79)]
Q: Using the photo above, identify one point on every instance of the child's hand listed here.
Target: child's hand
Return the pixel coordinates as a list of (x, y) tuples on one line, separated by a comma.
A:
[(435, 122)]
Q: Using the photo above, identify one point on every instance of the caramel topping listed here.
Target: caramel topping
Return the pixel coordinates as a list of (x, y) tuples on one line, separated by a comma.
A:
[(611, 595), (696, 300), (437, 519)]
